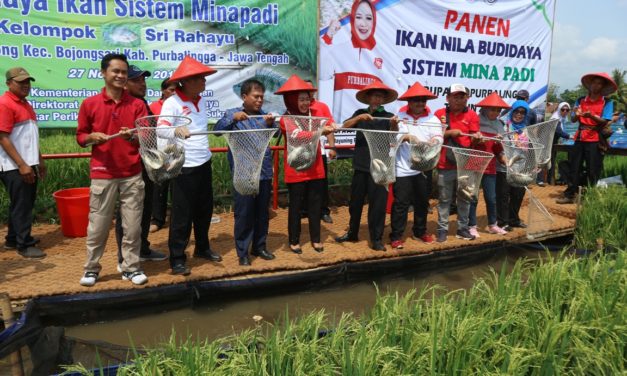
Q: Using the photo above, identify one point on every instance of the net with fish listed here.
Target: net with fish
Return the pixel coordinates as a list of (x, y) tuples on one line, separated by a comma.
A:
[(302, 134), (543, 133), (471, 164), (522, 161), (382, 146), (161, 145), (539, 220)]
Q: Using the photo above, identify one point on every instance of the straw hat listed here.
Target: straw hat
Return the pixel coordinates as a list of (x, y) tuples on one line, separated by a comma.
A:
[(609, 87), (417, 90), (190, 67), (390, 94), (295, 84), (493, 100)]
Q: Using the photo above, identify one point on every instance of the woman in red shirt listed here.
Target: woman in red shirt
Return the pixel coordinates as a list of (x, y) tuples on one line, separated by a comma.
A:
[(304, 186)]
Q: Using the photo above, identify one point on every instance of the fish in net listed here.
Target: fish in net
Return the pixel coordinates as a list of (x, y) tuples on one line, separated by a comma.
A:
[(539, 220), (522, 161), (424, 156), (248, 147), (471, 164), (542, 133), (302, 134), (382, 146), (161, 145)]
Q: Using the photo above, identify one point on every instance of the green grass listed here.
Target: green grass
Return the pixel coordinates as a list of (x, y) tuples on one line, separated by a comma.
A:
[(603, 217), (560, 316)]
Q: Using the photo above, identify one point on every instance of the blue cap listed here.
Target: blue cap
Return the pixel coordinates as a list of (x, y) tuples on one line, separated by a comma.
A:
[(135, 72)]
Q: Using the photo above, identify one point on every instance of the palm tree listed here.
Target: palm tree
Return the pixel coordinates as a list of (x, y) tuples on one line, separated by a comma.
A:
[(620, 96)]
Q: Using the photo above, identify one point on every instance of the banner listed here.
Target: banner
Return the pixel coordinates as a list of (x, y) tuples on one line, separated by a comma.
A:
[(487, 45), (61, 44)]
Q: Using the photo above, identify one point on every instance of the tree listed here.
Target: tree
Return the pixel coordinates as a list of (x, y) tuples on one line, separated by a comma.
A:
[(571, 96), (620, 96), (551, 93)]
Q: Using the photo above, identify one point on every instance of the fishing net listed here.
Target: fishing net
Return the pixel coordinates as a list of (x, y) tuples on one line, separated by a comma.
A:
[(471, 164), (543, 133), (302, 134), (248, 147), (425, 155), (539, 220), (383, 146), (161, 145), (522, 161)]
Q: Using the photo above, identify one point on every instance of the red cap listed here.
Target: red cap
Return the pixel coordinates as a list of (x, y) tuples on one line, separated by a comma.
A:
[(417, 90), (390, 94), (493, 100), (295, 84), (609, 87), (190, 67)]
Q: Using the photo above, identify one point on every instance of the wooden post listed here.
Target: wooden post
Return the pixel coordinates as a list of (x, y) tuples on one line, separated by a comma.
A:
[(7, 316)]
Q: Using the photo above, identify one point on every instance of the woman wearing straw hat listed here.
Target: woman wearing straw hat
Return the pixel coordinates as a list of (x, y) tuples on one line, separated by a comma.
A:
[(304, 186), (490, 126), (412, 186), (375, 96), (192, 191)]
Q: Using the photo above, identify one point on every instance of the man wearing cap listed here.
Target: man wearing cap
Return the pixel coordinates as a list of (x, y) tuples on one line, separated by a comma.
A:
[(21, 164), (459, 119), (593, 112), (192, 190), (115, 169), (136, 86), (375, 96)]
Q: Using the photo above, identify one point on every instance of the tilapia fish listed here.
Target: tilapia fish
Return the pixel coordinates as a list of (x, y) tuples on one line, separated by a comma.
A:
[(300, 158), (424, 158), (176, 158), (545, 163), (153, 159), (465, 188), (519, 180), (246, 186), (379, 171)]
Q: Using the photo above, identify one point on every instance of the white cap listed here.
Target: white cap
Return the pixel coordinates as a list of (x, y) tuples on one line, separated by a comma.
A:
[(458, 88)]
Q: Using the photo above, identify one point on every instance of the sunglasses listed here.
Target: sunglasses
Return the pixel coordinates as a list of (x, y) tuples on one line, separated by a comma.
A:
[(519, 112), (564, 110)]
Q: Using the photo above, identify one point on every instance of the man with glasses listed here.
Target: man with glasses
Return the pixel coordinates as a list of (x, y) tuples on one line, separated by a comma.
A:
[(21, 164)]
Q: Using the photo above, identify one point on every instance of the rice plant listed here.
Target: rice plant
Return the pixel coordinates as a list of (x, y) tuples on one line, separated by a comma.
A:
[(602, 218)]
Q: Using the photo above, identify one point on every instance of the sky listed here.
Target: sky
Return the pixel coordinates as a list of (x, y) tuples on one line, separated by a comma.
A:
[(588, 36)]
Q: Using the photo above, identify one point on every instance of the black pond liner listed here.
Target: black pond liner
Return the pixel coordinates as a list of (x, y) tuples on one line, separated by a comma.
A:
[(76, 309)]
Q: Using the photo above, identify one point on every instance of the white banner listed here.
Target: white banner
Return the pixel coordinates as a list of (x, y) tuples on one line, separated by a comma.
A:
[(487, 45)]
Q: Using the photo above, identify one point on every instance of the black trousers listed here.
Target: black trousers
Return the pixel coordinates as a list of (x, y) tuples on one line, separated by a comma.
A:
[(22, 200), (160, 203), (502, 199), (192, 205), (324, 199), (410, 190), (145, 223), (516, 196), (252, 219), (308, 193), (588, 153), (362, 186)]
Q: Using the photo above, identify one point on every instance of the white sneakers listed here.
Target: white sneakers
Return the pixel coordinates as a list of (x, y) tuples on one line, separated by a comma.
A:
[(137, 277), (89, 279)]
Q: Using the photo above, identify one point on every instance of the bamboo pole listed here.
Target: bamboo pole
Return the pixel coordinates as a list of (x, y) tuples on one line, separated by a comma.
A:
[(7, 315)]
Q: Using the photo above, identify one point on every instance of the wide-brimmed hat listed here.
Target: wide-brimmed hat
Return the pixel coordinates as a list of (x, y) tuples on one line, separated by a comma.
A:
[(417, 90), (390, 94), (190, 67), (295, 84), (18, 74), (609, 87), (493, 100)]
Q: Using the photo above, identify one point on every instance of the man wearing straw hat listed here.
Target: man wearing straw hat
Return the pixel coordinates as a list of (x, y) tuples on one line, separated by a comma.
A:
[(459, 119), (593, 112), (21, 164), (115, 169), (375, 96)]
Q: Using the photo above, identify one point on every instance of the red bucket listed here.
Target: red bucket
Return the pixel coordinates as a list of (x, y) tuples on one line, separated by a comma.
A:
[(73, 209)]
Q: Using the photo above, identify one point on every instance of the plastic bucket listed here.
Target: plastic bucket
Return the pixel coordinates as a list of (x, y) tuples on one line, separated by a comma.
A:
[(73, 209)]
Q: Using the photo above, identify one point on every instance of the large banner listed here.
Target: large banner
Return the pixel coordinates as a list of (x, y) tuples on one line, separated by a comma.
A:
[(487, 45), (61, 43)]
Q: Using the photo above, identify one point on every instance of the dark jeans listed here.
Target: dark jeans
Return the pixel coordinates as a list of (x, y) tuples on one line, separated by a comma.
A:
[(410, 190), (589, 153), (145, 224), (192, 204), (516, 196), (488, 184), (309, 193), (160, 202), (324, 199), (362, 186), (502, 199), (22, 197), (252, 218)]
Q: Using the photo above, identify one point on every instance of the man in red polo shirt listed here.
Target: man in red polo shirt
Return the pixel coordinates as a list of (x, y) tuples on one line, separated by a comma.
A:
[(115, 169), (20, 161), (593, 112), (459, 119)]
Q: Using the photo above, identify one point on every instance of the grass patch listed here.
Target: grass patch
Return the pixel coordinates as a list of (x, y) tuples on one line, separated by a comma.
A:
[(603, 218)]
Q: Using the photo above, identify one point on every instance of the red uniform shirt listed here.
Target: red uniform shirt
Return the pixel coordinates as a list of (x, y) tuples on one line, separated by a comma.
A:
[(116, 158), (156, 106), (595, 108), (18, 119), (316, 171), (467, 122), (491, 146)]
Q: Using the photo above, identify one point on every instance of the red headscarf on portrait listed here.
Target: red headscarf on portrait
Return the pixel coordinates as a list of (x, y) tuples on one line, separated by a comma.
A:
[(369, 42)]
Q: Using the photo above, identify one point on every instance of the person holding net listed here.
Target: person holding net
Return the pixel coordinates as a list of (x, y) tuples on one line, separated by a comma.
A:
[(251, 212), (411, 186), (305, 185), (373, 117), (192, 190), (459, 119), (490, 126)]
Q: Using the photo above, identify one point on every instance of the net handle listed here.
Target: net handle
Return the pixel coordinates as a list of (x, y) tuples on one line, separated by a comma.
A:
[(423, 124), (486, 137), (112, 136)]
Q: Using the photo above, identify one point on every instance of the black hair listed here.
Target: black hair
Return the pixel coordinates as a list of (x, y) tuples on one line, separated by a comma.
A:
[(165, 83), (250, 85), (106, 59)]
